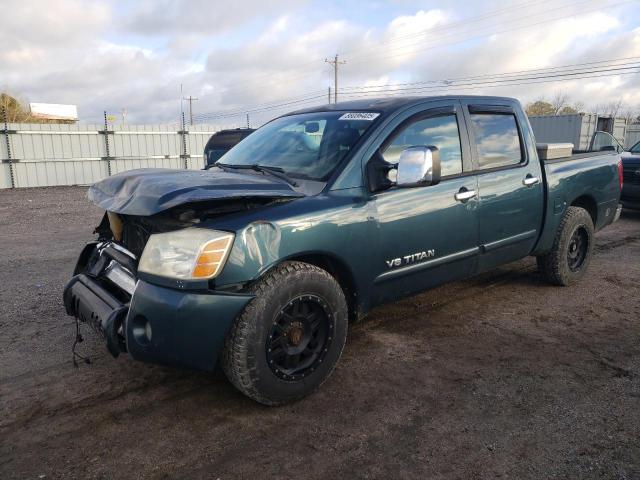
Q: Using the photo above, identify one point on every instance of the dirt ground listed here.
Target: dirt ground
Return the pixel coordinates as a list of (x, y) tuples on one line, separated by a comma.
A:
[(497, 376)]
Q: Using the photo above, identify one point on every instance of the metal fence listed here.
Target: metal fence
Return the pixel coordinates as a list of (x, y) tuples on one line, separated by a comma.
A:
[(38, 155), (632, 135)]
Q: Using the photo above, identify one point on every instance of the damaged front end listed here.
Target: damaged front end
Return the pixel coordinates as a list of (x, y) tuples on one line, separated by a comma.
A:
[(101, 289), (151, 320)]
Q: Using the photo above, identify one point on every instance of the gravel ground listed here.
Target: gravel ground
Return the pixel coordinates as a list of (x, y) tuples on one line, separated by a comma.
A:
[(496, 376)]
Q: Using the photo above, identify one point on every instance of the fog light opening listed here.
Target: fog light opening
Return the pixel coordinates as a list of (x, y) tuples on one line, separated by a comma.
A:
[(141, 329)]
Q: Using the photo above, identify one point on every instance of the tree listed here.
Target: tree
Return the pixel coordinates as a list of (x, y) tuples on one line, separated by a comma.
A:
[(559, 105), (560, 102), (12, 108), (540, 107), (610, 109)]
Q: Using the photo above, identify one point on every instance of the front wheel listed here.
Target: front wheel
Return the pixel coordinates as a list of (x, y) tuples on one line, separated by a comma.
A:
[(287, 341), (572, 249)]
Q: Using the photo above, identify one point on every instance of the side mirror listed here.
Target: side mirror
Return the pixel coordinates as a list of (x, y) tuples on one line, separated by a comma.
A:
[(419, 166)]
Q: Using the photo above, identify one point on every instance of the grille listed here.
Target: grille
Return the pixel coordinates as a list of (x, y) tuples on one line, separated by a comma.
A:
[(630, 176), (134, 236)]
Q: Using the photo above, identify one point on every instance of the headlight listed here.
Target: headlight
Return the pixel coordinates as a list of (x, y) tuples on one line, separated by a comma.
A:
[(189, 254)]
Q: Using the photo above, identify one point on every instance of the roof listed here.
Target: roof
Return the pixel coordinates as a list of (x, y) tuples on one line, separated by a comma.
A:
[(387, 105)]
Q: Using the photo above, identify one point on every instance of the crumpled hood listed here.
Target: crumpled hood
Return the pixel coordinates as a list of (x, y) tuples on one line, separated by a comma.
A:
[(151, 190)]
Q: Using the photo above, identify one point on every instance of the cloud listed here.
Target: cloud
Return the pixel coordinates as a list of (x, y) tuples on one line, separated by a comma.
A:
[(158, 17), (113, 55)]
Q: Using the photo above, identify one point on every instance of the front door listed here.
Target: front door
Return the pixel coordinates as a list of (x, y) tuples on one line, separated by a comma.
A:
[(427, 235)]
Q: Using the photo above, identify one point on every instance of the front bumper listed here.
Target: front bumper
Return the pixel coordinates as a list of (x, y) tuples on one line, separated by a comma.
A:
[(152, 323)]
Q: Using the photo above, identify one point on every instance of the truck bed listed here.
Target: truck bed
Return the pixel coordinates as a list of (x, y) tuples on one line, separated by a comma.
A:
[(573, 180)]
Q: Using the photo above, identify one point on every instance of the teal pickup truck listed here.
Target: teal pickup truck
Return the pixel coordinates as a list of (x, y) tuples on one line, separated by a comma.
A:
[(262, 261)]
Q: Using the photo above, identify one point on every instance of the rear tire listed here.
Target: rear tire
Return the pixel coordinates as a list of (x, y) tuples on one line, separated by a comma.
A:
[(287, 341), (568, 259)]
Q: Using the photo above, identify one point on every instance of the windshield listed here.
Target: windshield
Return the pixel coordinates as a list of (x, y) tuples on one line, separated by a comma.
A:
[(309, 145), (635, 148)]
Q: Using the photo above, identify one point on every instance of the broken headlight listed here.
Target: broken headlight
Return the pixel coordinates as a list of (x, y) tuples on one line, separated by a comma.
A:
[(189, 254)]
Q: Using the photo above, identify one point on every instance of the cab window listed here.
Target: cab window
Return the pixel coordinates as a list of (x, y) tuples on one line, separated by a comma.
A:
[(497, 139), (441, 132)]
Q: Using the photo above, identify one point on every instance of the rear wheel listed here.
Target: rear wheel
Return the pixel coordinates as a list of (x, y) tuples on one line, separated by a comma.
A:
[(287, 341), (572, 248)]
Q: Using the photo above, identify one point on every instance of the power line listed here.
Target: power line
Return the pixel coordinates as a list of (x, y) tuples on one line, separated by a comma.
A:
[(478, 79), (266, 104), (498, 83), (451, 25), (489, 33), (260, 109), (540, 70)]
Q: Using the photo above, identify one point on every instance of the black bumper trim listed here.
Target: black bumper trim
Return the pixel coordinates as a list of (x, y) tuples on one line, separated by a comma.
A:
[(89, 302)]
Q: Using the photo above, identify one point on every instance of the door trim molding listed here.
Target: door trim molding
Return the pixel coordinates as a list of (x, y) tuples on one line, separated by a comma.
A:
[(503, 242), (391, 274)]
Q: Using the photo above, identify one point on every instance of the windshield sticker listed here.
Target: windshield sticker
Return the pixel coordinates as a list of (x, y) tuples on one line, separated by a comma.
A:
[(368, 116)]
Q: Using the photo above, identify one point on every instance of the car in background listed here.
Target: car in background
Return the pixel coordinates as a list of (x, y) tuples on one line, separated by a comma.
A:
[(223, 141), (630, 197)]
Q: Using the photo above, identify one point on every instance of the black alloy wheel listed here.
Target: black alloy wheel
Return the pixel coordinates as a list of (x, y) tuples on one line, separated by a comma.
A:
[(578, 248), (299, 338)]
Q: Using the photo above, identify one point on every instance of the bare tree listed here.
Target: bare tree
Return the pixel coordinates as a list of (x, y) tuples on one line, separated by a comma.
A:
[(630, 114), (559, 101), (610, 109)]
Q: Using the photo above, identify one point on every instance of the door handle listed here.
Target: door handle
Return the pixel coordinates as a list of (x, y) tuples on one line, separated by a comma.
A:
[(464, 195), (530, 180)]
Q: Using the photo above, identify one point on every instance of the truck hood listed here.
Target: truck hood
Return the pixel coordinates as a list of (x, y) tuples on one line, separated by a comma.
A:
[(151, 190)]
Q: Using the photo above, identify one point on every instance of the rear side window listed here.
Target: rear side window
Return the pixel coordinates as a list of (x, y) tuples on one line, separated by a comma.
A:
[(497, 139), (441, 132)]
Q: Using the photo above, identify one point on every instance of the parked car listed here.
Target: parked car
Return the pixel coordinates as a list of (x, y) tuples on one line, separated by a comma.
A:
[(319, 216), (630, 197), (223, 141)]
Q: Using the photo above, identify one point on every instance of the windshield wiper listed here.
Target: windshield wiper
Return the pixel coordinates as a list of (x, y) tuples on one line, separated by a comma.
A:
[(275, 171)]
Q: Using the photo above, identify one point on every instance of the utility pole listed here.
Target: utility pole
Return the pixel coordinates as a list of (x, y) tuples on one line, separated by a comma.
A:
[(329, 97), (248, 121), (124, 116), (334, 63), (191, 100)]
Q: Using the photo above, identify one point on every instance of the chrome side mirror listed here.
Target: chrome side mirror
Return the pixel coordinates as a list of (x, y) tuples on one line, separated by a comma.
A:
[(419, 166)]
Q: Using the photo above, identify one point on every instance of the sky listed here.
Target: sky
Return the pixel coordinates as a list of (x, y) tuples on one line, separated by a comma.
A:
[(268, 57)]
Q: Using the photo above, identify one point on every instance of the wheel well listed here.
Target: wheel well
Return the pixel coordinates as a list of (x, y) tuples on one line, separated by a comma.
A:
[(589, 204), (341, 273)]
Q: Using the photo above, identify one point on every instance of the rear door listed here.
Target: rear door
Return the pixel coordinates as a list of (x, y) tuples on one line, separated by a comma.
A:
[(510, 183)]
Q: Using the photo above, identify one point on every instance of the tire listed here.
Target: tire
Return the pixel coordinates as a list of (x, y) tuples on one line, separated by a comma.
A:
[(259, 356), (569, 258)]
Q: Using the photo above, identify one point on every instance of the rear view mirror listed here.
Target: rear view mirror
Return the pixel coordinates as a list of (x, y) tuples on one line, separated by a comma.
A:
[(311, 127), (419, 166)]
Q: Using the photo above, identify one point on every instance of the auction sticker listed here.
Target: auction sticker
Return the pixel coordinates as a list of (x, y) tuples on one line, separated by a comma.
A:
[(367, 116)]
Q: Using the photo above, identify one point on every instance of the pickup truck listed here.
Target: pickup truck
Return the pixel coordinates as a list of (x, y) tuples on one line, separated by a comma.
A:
[(630, 196), (317, 217), (221, 142)]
